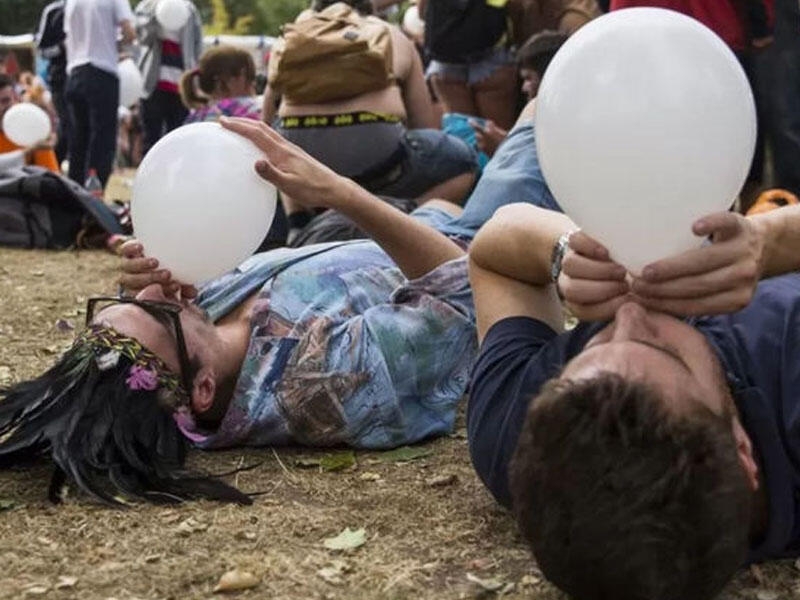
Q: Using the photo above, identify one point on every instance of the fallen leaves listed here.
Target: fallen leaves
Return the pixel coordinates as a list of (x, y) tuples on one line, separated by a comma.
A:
[(329, 462), (404, 454), (236, 580), (491, 585), (441, 480), (7, 504), (190, 526), (348, 539), (64, 582), (333, 572)]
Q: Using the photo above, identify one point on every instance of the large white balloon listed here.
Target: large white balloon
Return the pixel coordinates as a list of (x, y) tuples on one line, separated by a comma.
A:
[(26, 124), (644, 122), (172, 14), (198, 205), (131, 84)]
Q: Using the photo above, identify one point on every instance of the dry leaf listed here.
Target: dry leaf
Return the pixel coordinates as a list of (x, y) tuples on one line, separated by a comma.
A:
[(236, 580), (347, 539), (37, 590), (7, 504), (65, 582), (367, 476), (190, 526), (151, 558), (767, 595), (490, 585), (247, 535), (441, 480), (334, 571), (530, 580), (338, 461), (404, 454)]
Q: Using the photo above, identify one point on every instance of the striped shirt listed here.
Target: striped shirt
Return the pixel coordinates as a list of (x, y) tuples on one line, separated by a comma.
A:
[(171, 68)]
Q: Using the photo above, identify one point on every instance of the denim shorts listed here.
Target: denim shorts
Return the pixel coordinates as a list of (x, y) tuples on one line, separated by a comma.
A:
[(431, 157), (472, 72)]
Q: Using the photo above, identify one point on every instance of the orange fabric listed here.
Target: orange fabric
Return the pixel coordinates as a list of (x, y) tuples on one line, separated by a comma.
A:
[(41, 158)]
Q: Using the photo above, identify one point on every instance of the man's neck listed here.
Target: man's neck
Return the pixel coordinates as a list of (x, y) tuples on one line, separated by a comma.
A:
[(234, 330)]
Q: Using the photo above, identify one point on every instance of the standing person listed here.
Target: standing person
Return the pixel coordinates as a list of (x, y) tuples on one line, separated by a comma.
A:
[(92, 90), (472, 68), (50, 42), (166, 56)]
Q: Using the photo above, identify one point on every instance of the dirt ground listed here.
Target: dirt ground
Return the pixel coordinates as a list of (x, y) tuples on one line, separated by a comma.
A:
[(430, 529)]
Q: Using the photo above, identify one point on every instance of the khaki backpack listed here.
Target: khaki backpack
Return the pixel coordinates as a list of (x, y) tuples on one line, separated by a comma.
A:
[(331, 55)]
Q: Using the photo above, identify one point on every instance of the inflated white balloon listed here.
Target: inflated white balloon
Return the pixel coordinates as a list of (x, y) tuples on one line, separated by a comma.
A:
[(644, 122), (172, 14), (412, 22), (198, 205), (131, 84), (26, 124)]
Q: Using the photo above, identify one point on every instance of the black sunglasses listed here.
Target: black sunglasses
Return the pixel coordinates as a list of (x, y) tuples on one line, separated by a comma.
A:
[(165, 313)]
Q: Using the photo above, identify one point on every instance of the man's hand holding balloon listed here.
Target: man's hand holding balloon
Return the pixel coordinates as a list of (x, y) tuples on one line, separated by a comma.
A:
[(715, 278)]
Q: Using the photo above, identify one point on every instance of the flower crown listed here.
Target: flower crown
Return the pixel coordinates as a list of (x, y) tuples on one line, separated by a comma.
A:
[(148, 371)]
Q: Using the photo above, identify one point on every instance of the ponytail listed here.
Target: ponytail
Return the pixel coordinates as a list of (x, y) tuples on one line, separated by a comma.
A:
[(188, 90)]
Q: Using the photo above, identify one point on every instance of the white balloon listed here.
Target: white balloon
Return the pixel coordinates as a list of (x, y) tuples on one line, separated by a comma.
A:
[(172, 14), (26, 124), (412, 22), (198, 205), (644, 122), (131, 84)]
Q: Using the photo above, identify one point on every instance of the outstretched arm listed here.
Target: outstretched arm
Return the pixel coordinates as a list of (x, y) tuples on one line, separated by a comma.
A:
[(414, 246)]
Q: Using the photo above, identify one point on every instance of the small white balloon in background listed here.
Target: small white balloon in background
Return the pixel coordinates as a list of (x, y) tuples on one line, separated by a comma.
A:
[(198, 205), (26, 124), (131, 84), (172, 14), (644, 122), (412, 23)]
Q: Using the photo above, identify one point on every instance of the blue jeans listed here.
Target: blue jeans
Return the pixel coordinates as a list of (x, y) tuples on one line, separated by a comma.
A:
[(512, 175), (92, 97), (431, 157)]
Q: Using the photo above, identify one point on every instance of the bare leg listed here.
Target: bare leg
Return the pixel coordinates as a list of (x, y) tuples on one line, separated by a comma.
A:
[(454, 96), (453, 190), (451, 209), (496, 96)]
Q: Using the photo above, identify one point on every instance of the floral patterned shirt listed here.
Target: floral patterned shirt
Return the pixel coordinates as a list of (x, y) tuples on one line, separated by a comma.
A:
[(344, 349), (243, 106)]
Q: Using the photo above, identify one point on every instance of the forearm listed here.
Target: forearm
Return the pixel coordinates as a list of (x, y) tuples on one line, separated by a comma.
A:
[(416, 247), (517, 242), (780, 231)]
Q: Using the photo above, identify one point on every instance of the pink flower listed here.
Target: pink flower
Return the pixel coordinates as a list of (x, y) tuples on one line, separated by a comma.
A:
[(140, 378)]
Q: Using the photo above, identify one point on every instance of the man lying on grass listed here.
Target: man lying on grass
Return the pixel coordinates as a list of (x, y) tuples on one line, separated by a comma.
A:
[(365, 343), (645, 457)]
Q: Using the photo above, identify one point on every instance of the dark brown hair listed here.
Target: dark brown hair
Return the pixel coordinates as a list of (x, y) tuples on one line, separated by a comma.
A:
[(621, 498), (539, 49), (217, 65)]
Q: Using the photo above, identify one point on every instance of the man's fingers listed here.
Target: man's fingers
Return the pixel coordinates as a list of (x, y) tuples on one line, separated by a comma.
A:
[(725, 302), (720, 224), (578, 266), (143, 264), (691, 262), (585, 291), (587, 246), (131, 249), (741, 274), (138, 281)]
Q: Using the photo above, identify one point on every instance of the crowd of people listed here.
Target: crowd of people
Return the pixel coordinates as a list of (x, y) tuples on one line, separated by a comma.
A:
[(646, 453)]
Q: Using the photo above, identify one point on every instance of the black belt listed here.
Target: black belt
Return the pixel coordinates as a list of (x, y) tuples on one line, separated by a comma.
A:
[(337, 120)]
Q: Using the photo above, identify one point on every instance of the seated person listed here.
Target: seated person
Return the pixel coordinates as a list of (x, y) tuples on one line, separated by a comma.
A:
[(222, 85), (42, 154), (643, 455), (391, 146), (533, 58), (365, 343)]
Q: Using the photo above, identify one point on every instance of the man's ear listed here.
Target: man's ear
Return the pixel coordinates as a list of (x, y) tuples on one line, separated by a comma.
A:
[(204, 389), (744, 448)]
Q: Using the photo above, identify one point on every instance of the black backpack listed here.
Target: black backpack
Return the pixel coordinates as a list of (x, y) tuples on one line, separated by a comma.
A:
[(50, 42), (40, 209), (457, 31)]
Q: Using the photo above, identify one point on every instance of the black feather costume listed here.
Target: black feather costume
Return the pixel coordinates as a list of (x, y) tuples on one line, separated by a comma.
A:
[(104, 413)]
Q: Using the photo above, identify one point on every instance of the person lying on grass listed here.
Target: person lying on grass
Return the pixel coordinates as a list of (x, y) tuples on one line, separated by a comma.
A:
[(645, 456), (364, 343)]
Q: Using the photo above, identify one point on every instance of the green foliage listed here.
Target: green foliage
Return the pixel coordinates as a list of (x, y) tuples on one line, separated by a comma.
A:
[(20, 16)]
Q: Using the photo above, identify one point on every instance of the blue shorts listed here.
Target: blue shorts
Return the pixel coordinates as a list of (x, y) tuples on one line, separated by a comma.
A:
[(431, 157), (471, 72)]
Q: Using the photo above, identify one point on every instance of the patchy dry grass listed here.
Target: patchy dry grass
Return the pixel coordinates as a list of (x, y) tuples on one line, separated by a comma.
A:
[(429, 522)]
